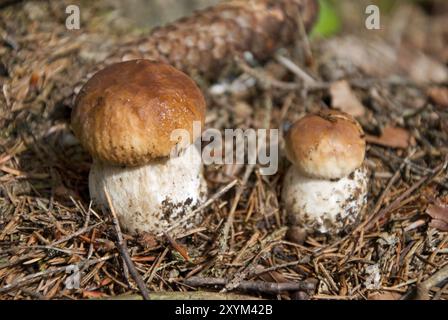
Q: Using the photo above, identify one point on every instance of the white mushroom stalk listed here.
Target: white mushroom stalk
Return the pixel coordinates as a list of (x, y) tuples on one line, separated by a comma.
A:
[(324, 205), (325, 189), (152, 197)]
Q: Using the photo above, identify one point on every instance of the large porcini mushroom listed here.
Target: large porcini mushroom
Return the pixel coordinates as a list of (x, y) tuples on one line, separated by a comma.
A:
[(125, 116), (325, 189)]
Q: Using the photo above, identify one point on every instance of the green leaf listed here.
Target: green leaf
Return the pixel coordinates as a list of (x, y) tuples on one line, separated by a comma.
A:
[(329, 22)]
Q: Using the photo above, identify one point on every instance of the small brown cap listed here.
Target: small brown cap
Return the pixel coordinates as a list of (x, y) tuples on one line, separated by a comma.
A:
[(327, 145), (125, 113)]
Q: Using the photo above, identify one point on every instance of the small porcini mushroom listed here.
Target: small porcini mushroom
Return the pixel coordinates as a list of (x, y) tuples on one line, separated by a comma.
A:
[(124, 117), (325, 189)]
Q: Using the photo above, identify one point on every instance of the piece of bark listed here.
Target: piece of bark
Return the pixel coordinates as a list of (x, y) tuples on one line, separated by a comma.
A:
[(439, 217), (439, 96), (392, 137), (254, 286), (190, 295), (208, 41)]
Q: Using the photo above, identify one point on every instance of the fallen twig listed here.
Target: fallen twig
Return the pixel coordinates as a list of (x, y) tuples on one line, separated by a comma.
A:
[(177, 247), (191, 295), (36, 276), (280, 266), (262, 249), (122, 246), (230, 217), (394, 205), (422, 289), (308, 53), (255, 286), (75, 234), (294, 68), (383, 195)]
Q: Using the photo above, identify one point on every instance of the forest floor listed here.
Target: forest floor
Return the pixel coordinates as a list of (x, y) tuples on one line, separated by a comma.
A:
[(394, 81)]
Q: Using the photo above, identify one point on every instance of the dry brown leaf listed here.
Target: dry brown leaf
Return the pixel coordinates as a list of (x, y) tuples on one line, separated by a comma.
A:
[(392, 137), (439, 217), (344, 99), (437, 212), (147, 240), (439, 225), (439, 96)]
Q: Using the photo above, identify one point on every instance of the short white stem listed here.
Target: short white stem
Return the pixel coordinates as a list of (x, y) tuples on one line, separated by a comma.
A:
[(323, 205)]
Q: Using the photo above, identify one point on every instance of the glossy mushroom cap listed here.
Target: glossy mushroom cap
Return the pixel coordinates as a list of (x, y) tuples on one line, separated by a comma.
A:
[(326, 145), (125, 114)]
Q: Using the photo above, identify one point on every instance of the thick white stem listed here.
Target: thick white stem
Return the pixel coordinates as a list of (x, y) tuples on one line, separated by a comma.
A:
[(150, 198)]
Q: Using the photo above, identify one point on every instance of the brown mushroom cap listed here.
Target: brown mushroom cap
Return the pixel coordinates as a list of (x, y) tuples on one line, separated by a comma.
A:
[(125, 113), (326, 145)]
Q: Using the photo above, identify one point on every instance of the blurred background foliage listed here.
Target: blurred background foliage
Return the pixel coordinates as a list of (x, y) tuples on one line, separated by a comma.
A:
[(338, 15), (335, 16)]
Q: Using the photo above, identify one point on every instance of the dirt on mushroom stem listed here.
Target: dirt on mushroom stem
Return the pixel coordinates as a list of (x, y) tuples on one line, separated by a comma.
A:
[(44, 193)]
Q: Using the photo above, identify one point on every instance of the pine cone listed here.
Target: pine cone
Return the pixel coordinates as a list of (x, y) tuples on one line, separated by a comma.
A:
[(206, 42)]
